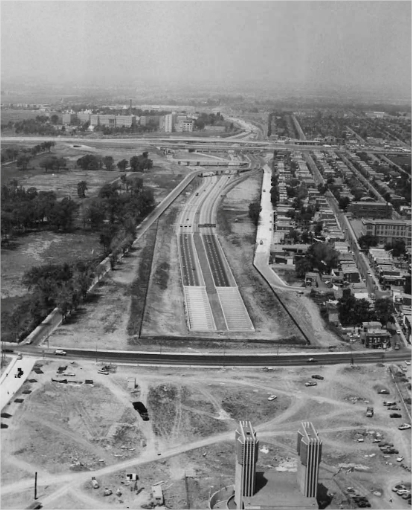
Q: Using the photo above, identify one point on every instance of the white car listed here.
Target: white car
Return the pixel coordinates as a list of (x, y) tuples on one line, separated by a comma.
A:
[(404, 426), (60, 352), (408, 362), (272, 397), (399, 459)]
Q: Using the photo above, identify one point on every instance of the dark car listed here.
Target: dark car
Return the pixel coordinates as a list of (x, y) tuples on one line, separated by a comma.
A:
[(142, 410), (383, 392), (320, 377), (395, 415)]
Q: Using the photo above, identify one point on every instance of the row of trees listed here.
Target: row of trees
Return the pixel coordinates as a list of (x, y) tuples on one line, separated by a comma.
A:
[(13, 153), (354, 311), (95, 162), (32, 126), (23, 209)]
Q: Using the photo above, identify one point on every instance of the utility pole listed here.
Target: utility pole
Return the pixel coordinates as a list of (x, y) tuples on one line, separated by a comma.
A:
[(35, 485)]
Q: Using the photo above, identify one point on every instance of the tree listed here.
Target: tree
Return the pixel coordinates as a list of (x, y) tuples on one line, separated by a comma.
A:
[(108, 162), (368, 241), (397, 247), (23, 161), (122, 165), (354, 311), (107, 234), (384, 308), (303, 266), (254, 211), (343, 203), (54, 119), (81, 189), (95, 214)]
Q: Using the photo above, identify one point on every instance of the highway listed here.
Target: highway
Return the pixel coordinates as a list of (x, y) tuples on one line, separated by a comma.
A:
[(246, 360), (217, 144)]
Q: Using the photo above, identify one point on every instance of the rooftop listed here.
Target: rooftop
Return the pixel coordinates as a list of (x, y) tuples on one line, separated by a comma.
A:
[(278, 490)]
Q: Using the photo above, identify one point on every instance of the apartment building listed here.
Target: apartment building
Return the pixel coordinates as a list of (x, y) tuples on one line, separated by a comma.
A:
[(388, 231)]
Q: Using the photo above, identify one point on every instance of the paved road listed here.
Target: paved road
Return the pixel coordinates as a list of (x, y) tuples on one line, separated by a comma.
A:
[(195, 142), (251, 359)]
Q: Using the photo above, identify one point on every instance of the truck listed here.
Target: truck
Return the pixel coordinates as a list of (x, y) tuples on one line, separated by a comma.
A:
[(369, 412)]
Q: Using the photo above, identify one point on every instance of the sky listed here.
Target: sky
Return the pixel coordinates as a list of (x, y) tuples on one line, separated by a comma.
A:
[(361, 45)]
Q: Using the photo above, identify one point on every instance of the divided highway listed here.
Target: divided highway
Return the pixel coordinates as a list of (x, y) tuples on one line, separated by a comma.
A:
[(212, 298), (246, 360)]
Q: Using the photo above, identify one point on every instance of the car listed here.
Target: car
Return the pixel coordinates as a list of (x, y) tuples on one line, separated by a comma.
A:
[(400, 492), (19, 355), (383, 392), (95, 483), (320, 377), (406, 496), (311, 383), (394, 408), (311, 360), (60, 352), (395, 415), (389, 403), (398, 332), (272, 397), (399, 459), (398, 487), (361, 440), (404, 426), (408, 362)]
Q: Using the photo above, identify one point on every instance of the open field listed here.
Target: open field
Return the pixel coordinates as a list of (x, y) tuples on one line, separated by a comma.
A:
[(70, 432), (43, 247)]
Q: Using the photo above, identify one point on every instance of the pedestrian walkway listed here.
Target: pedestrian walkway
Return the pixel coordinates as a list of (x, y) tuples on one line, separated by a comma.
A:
[(234, 310), (198, 309), (10, 385)]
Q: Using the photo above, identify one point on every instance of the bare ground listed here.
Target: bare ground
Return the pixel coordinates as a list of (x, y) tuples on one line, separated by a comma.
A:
[(238, 240), (193, 415)]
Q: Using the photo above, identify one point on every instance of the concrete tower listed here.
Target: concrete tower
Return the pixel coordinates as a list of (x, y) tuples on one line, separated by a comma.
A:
[(309, 448), (247, 447)]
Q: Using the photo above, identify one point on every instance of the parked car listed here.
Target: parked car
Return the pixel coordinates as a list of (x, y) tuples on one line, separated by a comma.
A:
[(389, 403), (404, 426), (395, 415), (95, 483), (60, 352), (394, 408), (320, 377), (311, 383), (383, 392), (272, 397), (399, 459), (398, 487), (369, 412)]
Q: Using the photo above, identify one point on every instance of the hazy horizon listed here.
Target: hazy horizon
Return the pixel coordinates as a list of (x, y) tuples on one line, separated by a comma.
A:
[(344, 45)]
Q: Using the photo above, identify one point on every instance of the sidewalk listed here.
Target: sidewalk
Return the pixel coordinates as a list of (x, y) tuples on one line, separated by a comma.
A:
[(10, 385)]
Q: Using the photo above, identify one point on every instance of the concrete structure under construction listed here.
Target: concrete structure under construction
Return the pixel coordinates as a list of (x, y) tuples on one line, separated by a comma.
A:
[(268, 490), (247, 448), (309, 448)]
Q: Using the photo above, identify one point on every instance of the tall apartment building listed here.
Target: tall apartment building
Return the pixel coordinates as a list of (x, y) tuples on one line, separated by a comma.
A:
[(309, 449), (388, 231), (169, 123), (68, 118), (247, 447)]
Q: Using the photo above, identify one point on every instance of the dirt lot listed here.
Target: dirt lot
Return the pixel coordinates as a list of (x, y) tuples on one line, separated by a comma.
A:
[(69, 433), (238, 240)]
